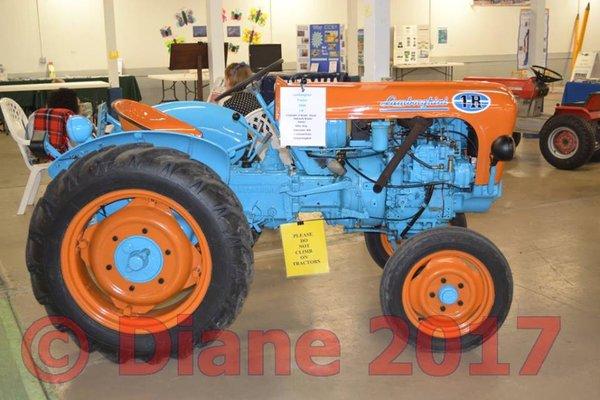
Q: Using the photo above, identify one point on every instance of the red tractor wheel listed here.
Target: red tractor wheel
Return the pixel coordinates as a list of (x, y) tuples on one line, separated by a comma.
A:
[(381, 248), (567, 141), (450, 286)]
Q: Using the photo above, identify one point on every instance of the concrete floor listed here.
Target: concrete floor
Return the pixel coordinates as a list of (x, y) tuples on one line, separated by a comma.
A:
[(546, 224)]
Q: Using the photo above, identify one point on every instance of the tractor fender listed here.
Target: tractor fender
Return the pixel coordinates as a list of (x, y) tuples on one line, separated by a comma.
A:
[(198, 149), (218, 124)]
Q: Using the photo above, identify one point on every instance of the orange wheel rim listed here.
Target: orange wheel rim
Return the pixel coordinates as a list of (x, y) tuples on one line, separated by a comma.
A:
[(448, 294), (137, 262), (388, 247)]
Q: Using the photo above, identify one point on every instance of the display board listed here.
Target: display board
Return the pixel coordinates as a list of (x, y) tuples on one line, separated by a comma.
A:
[(326, 48), (523, 47), (361, 47), (587, 67), (501, 2), (411, 44)]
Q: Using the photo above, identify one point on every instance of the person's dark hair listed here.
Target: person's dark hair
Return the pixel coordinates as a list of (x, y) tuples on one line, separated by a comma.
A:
[(64, 98)]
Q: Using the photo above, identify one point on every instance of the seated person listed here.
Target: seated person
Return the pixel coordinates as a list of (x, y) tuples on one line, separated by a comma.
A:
[(242, 102), (51, 121)]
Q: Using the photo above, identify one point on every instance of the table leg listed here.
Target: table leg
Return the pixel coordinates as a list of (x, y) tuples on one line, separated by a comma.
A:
[(162, 100)]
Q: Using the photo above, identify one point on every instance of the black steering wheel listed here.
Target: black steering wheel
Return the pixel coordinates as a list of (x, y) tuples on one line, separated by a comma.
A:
[(256, 77), (546, 75)]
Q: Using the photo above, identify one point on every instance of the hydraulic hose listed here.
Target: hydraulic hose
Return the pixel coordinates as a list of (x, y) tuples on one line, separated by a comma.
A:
[(419, 126)]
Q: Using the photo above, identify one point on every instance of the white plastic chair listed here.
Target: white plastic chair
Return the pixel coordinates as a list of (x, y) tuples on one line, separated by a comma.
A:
[(16, 122)]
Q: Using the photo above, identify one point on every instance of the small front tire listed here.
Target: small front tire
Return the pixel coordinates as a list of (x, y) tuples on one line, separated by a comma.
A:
[(450, 285)]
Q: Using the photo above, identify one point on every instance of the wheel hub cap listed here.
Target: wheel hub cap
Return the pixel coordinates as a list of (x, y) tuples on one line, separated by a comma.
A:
[(138, 259), (448, 294), (563, 143)]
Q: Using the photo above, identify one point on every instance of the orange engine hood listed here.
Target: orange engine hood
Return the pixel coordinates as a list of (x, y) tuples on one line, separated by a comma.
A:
[(391, 100)]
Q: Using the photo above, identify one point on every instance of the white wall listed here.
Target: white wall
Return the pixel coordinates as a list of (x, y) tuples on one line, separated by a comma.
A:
[(73, 31), (72, 34)]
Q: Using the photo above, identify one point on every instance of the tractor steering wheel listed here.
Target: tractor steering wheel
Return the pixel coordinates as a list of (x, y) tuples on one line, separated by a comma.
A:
[(546, 75), (256, 77)]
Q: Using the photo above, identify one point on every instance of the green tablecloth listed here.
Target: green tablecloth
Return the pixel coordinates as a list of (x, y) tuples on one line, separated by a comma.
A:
[(33, 100)]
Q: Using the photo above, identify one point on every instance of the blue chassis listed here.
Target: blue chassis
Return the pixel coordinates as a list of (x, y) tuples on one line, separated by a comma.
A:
[(272, 193)]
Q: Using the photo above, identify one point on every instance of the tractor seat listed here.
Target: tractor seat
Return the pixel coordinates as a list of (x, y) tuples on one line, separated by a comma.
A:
[(574, 104), (135, 116)]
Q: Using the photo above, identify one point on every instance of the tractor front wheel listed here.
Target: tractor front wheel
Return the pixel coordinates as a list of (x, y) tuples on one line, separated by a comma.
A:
[(138, 240), (381, 248), (567, 141), (449, 287)]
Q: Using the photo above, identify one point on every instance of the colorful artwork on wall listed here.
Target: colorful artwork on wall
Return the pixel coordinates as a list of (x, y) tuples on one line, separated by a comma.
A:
[(234, 31), (185, 17), (251, 36), (171, 42), (236, 15), (166, 31), (258, 16), (200, 31)]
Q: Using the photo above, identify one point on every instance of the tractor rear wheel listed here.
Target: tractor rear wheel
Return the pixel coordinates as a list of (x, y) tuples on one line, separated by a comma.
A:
[(381, 249), (138, 240), (567, 141), (446, 289)]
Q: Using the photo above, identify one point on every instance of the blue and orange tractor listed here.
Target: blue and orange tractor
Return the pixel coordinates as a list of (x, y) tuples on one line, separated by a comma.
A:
[(156, 221)]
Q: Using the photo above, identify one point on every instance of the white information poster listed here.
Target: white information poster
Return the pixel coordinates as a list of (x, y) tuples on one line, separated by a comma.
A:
[(523, 48), (302, 117), (587, 66), (411, 44)]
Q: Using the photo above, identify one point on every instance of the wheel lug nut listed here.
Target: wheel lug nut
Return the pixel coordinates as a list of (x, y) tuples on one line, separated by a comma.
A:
[(131, 288), (460, 285), (115, 238), (108, 267), (161, 281), (168, 252), (442, 308), (460, 303), (431, 294), (144, 231), (443, 280)]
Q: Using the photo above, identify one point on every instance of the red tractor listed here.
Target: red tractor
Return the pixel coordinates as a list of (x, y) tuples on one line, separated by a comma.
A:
[(571, 137), (529, 92)]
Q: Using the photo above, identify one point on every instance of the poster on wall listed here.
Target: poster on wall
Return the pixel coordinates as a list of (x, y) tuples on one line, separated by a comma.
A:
[(411, 44), (200, 31), (234, 31), (523, 47), (501, 2), (302, 46), (442, 35), (327, 48), (361, 47)]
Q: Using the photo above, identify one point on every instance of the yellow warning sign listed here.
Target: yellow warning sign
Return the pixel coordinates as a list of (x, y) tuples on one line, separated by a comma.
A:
[(305, 248)]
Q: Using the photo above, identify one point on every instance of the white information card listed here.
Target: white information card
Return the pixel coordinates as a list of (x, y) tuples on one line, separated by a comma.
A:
[(302, 118)]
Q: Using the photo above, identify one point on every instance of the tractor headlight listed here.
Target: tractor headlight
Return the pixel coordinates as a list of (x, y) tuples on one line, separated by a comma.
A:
[(503, 149)]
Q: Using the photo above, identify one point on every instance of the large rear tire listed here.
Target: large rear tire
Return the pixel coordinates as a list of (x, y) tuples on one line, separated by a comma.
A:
[(450, 286), (145, 232), (567, 141), (381, 249)]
